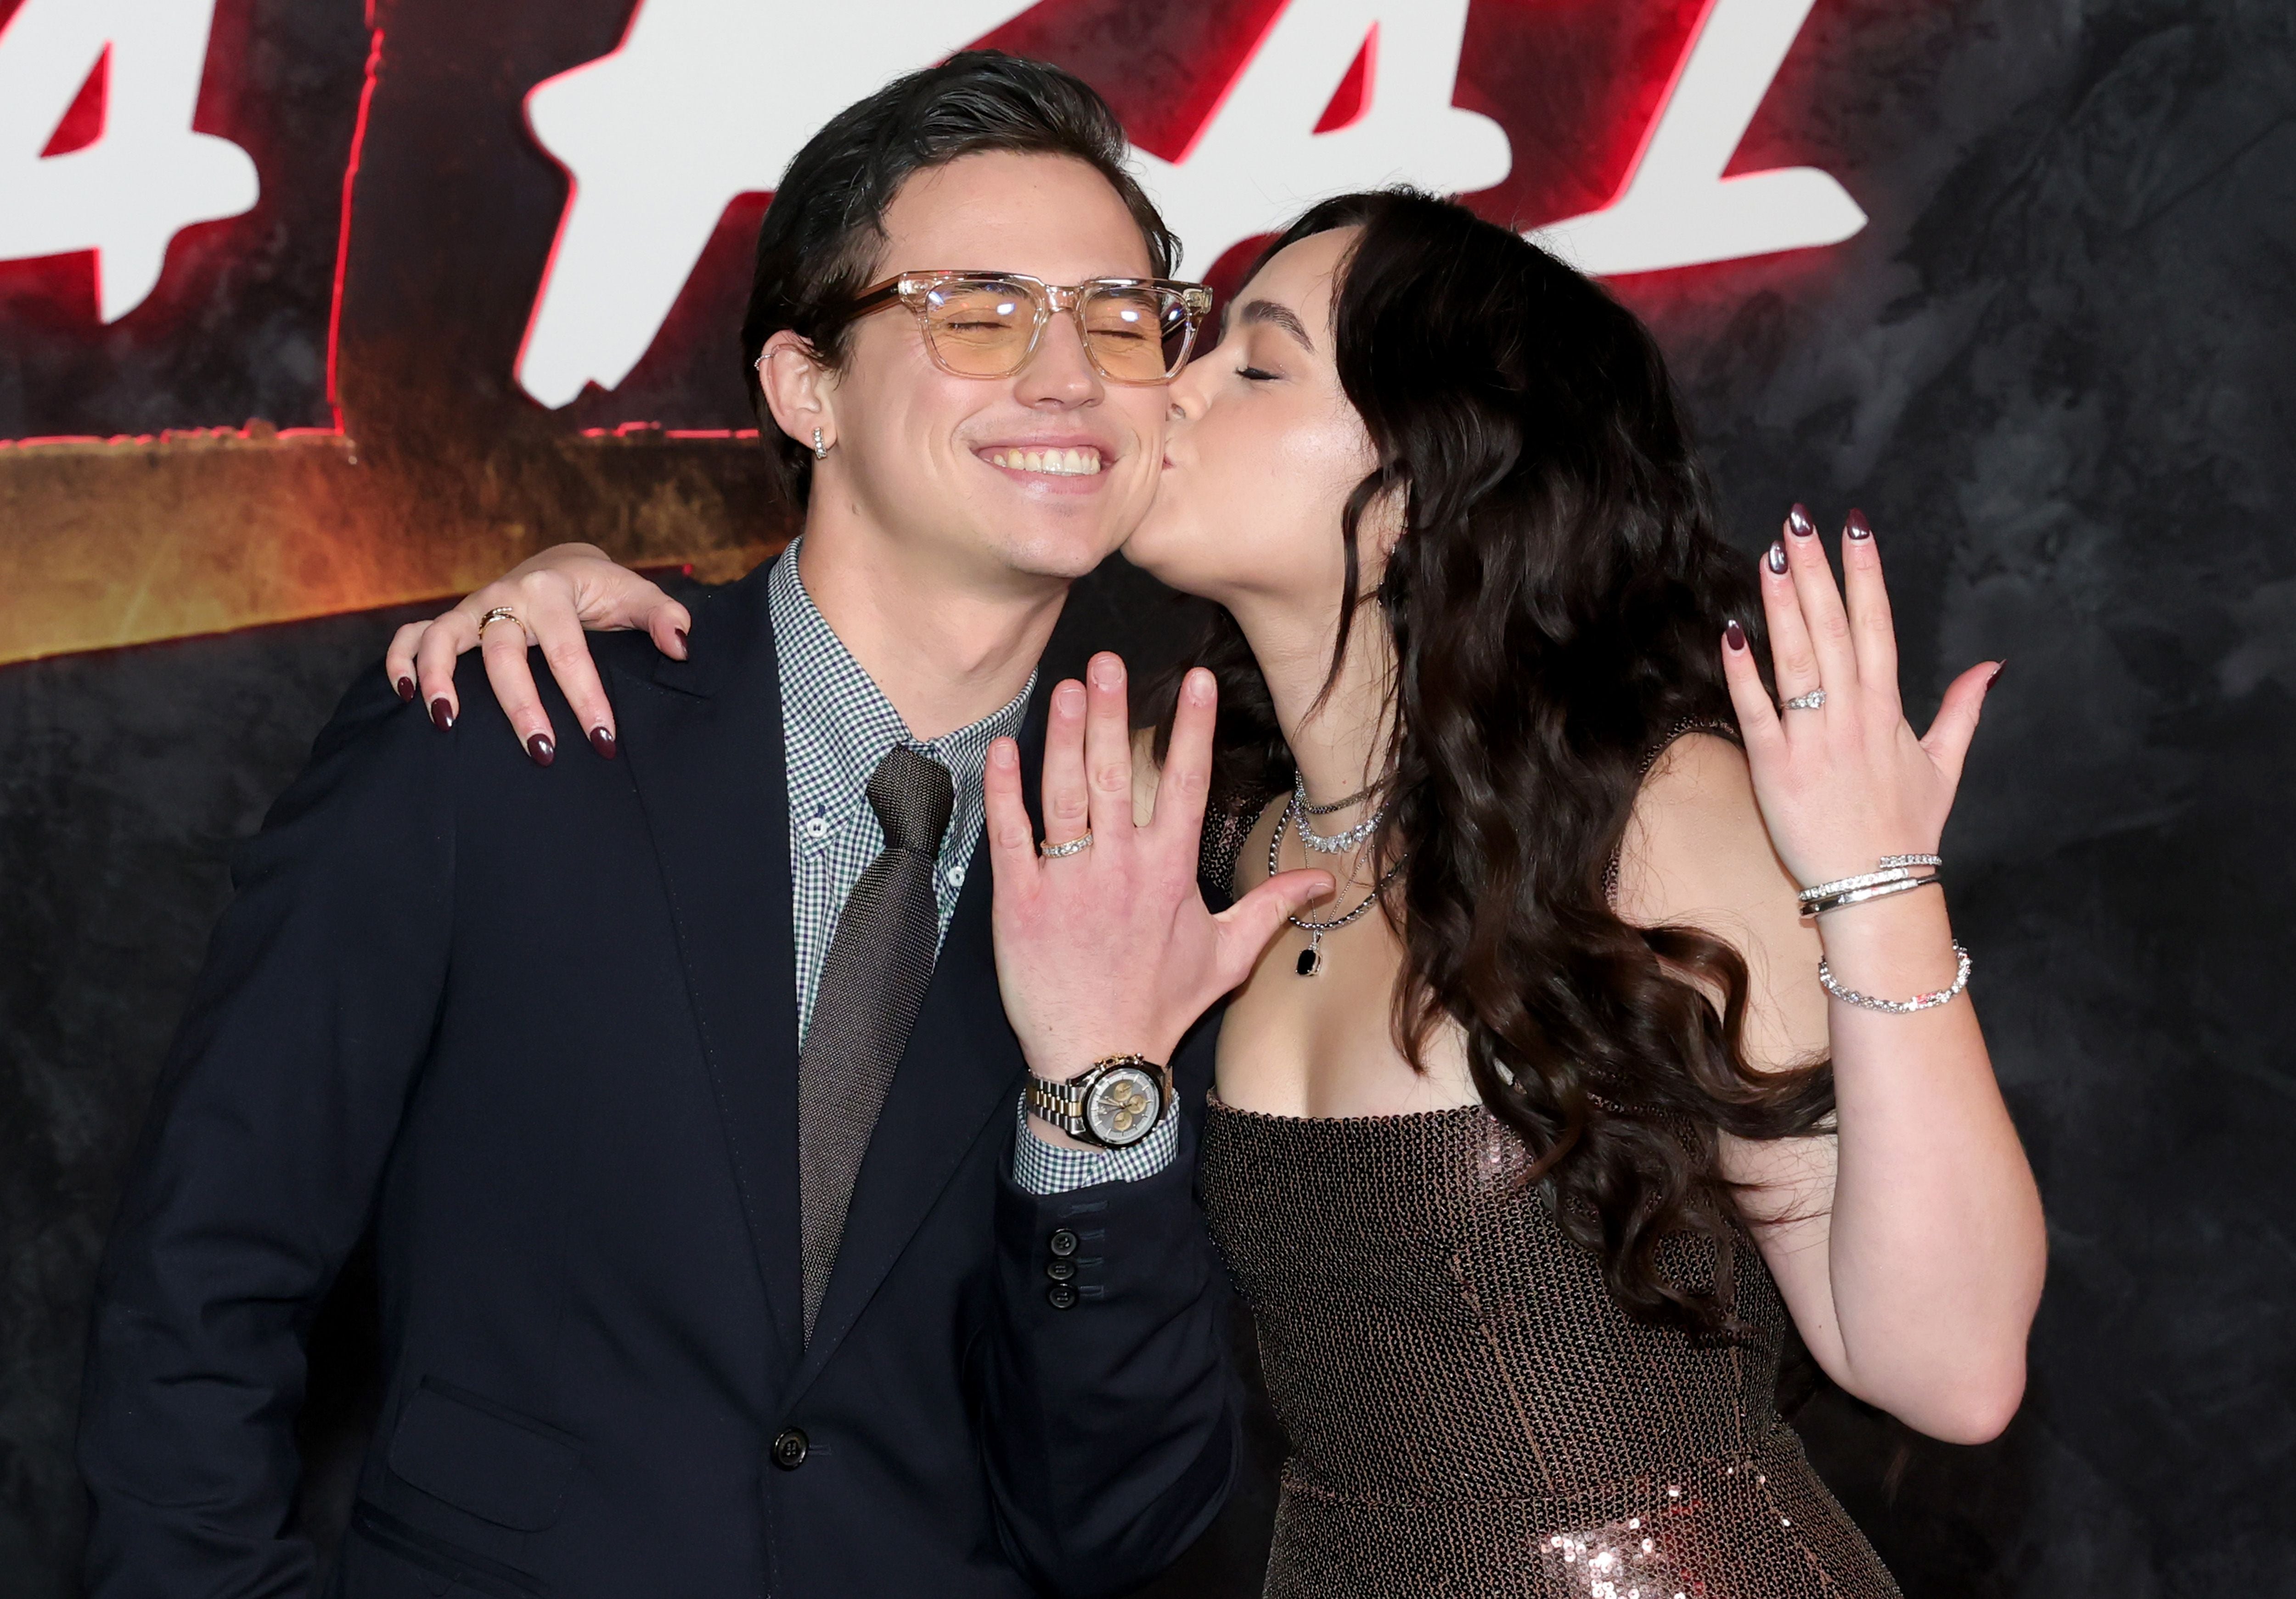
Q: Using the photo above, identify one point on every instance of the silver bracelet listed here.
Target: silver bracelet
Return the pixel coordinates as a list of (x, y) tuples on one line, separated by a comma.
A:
[(1881, 890), (1892, 868), (1901, 1007)]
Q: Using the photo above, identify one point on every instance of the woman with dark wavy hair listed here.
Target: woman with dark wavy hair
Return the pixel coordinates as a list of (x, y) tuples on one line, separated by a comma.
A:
[(1635, 1029)]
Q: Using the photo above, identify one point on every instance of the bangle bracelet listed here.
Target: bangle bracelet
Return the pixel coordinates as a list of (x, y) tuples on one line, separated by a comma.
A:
[(1843, 885), (1893, 868), (1900, 1007), (1881, 890)]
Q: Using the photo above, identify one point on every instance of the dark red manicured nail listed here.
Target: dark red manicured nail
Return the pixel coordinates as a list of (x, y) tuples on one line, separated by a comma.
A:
[(543, 751), (1798, 521), (405, 686), (1734, 635), (1857, 526), (2000, 667), (602, 739), (1777, 557), (442, 715)]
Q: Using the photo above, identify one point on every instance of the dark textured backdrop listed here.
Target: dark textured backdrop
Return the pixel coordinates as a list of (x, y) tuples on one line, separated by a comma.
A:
[(2058, 370)]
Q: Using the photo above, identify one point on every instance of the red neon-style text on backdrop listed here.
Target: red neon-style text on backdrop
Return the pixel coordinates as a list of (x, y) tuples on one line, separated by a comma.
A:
[(705, 100), (1676, 209), (147, 175)]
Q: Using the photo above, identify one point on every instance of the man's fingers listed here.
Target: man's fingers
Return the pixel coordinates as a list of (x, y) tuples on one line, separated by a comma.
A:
[(443, 641), (1185, 781), (568, 650), (398, 660), (1247, 925), (1068, 808), (503, 646), (1108, 752), (1012, 836), (1948, 738)]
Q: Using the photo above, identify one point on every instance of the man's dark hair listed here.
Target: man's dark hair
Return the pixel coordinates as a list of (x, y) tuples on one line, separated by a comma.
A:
[(824, 232)]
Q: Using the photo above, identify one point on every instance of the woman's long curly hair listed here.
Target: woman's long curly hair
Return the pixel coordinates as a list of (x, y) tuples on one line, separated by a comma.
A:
[(1556, 604)]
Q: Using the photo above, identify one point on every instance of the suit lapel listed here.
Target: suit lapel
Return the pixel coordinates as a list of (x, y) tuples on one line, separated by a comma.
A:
[(960, 1072), (703, 739)]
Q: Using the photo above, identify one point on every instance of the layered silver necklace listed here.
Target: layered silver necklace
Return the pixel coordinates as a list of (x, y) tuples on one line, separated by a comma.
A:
[(1295, 814)]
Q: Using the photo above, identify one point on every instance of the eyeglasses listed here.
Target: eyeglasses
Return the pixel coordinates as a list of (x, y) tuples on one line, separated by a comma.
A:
[(988, 325)]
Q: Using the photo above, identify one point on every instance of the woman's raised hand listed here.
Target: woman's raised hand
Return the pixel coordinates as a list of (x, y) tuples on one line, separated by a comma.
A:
[(553, 597), (1840, 778), (1107, 947)]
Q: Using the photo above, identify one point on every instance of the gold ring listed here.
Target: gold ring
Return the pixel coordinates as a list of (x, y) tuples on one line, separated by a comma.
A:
[(500, 613), (1061, 852)]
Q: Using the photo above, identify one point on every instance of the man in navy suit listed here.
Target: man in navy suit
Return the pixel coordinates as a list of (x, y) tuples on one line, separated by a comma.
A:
[(717, 1254)]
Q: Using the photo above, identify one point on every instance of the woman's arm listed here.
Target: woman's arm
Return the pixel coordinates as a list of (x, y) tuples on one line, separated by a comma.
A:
[(553, 597), (1910, 1245)]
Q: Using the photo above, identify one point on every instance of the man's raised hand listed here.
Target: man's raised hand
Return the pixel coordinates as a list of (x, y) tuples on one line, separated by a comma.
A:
[(1109, 949)]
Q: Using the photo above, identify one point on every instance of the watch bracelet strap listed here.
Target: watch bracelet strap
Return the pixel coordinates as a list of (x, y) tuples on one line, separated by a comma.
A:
[(1062, 1105)]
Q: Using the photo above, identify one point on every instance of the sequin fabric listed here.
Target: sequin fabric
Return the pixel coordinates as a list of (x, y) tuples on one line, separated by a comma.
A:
[(1471, 1414)]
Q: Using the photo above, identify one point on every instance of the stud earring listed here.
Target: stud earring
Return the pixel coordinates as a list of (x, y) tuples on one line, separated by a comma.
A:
[(820, 450)]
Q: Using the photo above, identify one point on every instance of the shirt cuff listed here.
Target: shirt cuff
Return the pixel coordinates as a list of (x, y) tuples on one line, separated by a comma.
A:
[(1042, 1168)]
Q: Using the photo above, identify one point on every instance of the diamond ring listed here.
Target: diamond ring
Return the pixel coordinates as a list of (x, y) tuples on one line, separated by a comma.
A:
[(1057, 852), (500, 613), (1808, 702)]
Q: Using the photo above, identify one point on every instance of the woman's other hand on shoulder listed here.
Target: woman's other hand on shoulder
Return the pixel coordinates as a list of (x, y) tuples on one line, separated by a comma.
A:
[(549, 600)]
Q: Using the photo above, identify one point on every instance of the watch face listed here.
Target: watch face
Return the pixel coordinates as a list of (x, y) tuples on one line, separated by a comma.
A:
[(1122, 1107)]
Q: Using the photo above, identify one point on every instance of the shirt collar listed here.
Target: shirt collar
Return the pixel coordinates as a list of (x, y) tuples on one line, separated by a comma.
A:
[(839, 724)]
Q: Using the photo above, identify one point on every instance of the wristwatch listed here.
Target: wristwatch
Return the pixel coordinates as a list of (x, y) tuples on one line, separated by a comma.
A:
[(1116, 1104)]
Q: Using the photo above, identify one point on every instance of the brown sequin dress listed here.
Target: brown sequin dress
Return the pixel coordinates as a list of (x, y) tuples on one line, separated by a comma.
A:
[(1471, 1413)]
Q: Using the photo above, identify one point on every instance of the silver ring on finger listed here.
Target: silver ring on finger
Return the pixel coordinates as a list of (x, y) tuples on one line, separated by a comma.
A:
[(500, 613), (1811, 701), (1061, 852)]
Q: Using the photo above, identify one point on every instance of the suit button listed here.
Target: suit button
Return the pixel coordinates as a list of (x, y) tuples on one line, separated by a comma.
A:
[(789, 1448), (1063, 1243), (1060, 1271), (1059, 1296)]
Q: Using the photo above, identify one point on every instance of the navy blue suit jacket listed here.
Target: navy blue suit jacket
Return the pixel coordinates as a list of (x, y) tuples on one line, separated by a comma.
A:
[(535, 1029)]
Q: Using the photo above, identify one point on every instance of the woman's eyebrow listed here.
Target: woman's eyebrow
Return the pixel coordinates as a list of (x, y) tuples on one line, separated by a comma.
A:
[(1269, 312)]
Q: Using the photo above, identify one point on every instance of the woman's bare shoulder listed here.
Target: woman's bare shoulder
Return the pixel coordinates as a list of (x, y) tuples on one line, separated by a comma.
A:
[(1695, 841)]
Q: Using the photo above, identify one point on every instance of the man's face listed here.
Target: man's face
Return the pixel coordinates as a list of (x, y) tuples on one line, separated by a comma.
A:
[(936, 463)]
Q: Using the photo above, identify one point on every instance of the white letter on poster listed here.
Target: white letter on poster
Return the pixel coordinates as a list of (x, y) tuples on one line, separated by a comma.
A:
[(704, 100), (148, 176), (1677, 209), (1259, 163)]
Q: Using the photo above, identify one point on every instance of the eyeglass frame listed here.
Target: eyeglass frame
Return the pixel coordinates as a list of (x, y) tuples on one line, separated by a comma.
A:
[(905, 288)]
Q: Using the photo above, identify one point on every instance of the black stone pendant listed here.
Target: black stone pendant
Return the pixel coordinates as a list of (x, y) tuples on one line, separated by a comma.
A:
[(1311, 959)]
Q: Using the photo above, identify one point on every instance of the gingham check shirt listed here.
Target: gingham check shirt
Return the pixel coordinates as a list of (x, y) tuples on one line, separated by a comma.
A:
[(837, 725)]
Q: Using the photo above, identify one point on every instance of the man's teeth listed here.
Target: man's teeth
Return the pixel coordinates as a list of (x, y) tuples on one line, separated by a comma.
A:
[(1059, 463)]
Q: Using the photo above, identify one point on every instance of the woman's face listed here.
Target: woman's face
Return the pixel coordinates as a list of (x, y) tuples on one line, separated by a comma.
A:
[(1263, 450)]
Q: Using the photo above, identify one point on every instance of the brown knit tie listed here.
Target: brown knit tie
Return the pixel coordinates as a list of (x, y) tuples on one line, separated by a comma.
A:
[(872, 982)]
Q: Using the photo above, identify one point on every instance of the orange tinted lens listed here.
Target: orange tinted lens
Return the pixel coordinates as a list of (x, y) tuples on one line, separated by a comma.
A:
[(980, 329), (1136, 334)]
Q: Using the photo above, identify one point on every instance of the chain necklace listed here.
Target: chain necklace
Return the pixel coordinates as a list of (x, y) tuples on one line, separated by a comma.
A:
[(1311, 959), (1336, 843)]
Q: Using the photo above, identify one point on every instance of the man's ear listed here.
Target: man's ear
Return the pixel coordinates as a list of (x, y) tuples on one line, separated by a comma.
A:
[(799, 390)]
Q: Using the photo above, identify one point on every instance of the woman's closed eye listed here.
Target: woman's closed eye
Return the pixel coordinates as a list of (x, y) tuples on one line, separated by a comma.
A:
[(1254, 374)]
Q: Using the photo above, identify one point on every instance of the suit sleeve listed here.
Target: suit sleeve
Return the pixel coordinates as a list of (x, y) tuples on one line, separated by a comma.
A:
[(1113, 1432), (259, 1161)]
